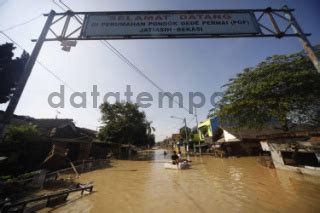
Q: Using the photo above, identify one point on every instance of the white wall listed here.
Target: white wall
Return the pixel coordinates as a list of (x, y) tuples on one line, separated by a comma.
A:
[(228, 137)]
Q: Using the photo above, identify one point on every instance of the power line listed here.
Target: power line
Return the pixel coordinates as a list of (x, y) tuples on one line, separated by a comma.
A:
[(124, 58), (3, 3), (189, 123), (115, 51), (55, 75), (40, 63), (139, 71), (54, 1), (130, 64), (8, 37), (43, 66), (23, 23)]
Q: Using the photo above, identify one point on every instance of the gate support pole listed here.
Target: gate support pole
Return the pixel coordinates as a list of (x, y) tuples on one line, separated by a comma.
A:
[(304, 40), (25, 75)]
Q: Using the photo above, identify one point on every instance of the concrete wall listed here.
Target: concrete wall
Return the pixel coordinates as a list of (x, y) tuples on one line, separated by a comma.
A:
[(275, 150), (228, 137)]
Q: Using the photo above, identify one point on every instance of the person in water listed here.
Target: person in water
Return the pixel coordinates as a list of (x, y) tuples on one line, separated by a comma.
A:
[(180, 155), (175, 158)]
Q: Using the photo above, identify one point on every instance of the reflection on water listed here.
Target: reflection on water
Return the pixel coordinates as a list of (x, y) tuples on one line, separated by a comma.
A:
[(211, 185)]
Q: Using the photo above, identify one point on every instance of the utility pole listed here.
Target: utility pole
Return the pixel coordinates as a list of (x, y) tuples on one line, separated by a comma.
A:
[(25, 75), (195, 112), (303, 38), (185, 128)]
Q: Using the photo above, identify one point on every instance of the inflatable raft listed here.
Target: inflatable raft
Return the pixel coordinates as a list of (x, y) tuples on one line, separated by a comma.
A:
[(181, 165)]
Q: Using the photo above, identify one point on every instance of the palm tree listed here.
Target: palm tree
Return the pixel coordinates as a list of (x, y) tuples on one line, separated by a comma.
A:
[(150, 136), (150, 129)]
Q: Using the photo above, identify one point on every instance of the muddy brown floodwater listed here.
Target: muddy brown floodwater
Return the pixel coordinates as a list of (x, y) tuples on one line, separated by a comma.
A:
[(211, 185)]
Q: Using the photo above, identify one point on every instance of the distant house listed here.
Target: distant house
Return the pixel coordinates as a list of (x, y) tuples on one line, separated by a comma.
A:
[(60, 141), (176, 137), (209, 130), (224, 142), (17, 119), (227, 137), (60, 128), (54, 128), (297, 149)]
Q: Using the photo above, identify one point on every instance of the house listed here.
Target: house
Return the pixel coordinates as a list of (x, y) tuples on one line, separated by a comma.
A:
[(296, 151), (175, 138), (208, 129), (53, 128), (59, 142), (224, 142)]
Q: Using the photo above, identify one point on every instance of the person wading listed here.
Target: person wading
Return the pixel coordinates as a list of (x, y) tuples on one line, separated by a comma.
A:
[(175, 158)]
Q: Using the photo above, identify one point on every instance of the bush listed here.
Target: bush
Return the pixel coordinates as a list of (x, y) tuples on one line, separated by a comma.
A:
[(21, 133)]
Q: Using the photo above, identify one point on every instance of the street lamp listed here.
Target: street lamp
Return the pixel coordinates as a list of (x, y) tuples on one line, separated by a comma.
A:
[(185, 129), (67, 44)]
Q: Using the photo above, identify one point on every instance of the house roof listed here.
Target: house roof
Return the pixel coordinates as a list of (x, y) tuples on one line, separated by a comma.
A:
[(41, 122), (51, 123), (270, 131), (176, 136), (88, 132), (204, 123), (60, 128)]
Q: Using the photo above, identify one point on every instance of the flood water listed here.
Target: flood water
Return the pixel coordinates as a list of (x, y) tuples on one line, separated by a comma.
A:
[(211, 185)]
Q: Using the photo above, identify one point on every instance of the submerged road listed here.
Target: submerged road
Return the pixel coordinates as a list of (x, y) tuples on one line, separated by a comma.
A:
[(211, 185)]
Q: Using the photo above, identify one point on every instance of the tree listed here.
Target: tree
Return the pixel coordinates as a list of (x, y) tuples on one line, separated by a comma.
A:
[(20, 133), (182, 133), (284, 89), (150, 137), (123, 123), (10, 70), (212, 112)]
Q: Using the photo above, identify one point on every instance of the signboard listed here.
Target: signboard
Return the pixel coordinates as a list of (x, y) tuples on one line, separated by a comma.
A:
[(164, 24)]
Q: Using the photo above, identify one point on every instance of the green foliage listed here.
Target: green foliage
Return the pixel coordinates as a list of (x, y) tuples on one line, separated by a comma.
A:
[(10, 70), (20, 133), (26, 175), (285, 88), (123, 123), (20, 177), (5, 178), (212, 113), (195, 135), (182, 133)]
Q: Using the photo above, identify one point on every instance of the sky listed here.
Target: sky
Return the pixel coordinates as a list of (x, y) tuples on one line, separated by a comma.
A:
[(177, 65)]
